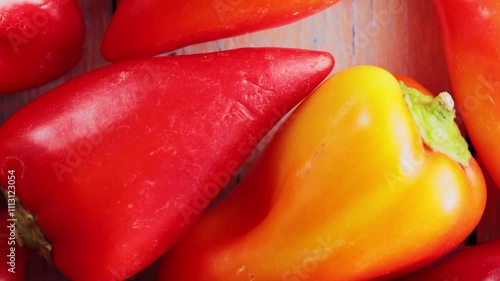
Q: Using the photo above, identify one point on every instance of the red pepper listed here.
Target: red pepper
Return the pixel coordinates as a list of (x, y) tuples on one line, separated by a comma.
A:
[(471, 37), (472, 263), (39, 41), (117, 164), (147, 28)]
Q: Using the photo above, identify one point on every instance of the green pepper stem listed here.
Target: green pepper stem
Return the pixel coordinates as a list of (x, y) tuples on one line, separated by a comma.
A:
[(435, 120), (28, 233)]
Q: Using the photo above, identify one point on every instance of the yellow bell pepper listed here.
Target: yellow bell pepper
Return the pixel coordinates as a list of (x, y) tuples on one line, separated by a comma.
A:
[(367, 179)]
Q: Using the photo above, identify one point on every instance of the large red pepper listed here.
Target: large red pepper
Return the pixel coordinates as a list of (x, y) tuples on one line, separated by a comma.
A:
[(471, 36), (367, 179), (472, 263), (147, 28), (39, 41), (118, 163)]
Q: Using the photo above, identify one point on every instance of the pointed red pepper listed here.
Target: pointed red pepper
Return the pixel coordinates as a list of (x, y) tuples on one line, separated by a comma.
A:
[(471, 37), (117, 164), (147, 28)]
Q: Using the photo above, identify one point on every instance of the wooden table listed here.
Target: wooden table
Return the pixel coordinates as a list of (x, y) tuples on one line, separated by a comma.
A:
[(399, 35)]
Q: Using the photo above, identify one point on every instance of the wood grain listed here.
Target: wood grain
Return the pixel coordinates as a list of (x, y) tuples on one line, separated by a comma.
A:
[(399, 35)]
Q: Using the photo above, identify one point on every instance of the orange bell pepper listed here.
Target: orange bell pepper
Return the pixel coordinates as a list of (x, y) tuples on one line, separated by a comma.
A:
[(367, 179)]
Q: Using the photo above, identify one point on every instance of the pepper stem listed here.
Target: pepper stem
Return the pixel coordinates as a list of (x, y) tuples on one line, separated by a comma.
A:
[(28, 233), (435, 120)]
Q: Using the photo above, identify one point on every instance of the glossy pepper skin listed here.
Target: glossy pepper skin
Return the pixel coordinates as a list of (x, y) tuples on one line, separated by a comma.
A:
[(471, 263), (40, 40), (471, 38), (346, 190), (121, 161), (147, 28)]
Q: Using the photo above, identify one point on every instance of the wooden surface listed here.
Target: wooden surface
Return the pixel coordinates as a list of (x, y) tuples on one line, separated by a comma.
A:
[(399, 35)]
